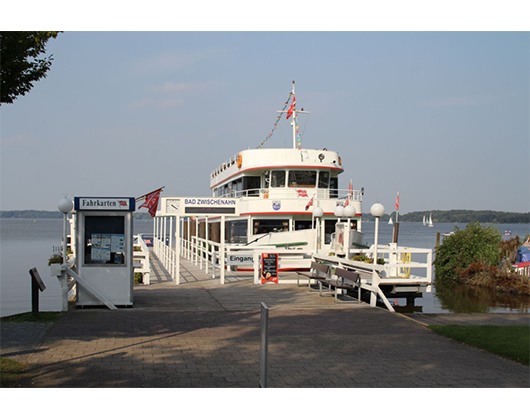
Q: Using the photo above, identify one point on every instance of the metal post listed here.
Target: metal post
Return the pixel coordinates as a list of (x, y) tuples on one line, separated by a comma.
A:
[(375, 282), (206, 236), (264, 345), (222, 250), (177, 251), (65, 239), (170, 256)]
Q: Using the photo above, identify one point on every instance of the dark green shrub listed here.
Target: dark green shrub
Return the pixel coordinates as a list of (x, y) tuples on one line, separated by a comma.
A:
[(474, 244)]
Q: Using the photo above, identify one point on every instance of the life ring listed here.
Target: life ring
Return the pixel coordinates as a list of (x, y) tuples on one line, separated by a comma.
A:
[(239, 160)]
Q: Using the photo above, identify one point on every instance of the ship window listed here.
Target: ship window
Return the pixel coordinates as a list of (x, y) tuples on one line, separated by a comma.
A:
[(307, 179), (302, 224), (270, 225), (277, 179), (329, 229), (323, 180), (236, 232), (251, 185), (334, 187)]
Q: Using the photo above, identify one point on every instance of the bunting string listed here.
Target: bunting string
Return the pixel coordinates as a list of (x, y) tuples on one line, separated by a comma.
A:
[(277, 121), (298, 138)]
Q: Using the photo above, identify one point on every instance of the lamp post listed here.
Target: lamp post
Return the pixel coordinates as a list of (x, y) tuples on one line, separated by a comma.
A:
[(377, 210), (317, 214), (65, 206), (348, 212)]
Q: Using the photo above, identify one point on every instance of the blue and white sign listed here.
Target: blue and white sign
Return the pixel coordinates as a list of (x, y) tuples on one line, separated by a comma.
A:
[(105, 203), (276, 205)]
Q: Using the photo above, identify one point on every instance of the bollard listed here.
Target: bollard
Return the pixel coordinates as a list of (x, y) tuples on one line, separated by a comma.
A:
[(36, 285), (264, 345)]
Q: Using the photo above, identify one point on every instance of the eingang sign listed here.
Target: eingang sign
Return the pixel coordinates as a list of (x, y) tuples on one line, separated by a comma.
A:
[(240, 259)]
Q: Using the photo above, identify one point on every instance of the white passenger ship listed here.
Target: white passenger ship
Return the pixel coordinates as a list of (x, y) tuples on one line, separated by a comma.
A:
[(288, 197)]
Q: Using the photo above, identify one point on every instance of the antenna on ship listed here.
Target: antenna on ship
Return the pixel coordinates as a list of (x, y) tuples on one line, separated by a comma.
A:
[(292, 111)]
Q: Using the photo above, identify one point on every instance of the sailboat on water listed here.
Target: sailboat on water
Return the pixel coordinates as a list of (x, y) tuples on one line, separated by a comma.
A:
[(429, 222)]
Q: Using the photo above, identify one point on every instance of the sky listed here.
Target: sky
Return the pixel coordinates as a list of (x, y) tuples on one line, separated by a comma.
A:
[(441, 117)]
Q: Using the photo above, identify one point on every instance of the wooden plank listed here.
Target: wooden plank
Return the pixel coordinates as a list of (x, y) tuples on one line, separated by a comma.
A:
[(35, 276)]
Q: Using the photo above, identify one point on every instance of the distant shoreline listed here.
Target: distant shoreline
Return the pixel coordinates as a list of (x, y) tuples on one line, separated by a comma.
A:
[(439, 216)]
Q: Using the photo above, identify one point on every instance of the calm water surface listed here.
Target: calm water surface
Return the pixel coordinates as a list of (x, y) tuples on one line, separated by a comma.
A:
[(25, 244)]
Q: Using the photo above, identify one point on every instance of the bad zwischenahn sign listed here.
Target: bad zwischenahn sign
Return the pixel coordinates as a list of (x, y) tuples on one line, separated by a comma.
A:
[(199, 206)]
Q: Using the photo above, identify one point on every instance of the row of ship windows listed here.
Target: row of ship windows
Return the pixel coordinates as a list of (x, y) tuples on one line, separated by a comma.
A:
[(280, 179), (236, 231)]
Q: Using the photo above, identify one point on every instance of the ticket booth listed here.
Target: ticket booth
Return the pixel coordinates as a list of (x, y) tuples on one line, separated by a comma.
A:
[(104, 257)]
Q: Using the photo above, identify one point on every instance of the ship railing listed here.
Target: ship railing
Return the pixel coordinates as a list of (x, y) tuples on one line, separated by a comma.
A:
[(293, 193), (141, 262)]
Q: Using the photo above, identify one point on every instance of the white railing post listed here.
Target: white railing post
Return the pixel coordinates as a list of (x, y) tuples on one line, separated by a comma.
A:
[(177, 253), (222, 250)]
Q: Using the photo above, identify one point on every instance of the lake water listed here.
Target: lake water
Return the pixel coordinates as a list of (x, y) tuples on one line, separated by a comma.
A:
[(25, 244)]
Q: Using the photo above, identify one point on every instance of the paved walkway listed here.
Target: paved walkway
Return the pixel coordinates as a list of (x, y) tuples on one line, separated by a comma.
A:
[(202, 334)]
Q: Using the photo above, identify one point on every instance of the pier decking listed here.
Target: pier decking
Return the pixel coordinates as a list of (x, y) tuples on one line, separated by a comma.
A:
[(202, 334)]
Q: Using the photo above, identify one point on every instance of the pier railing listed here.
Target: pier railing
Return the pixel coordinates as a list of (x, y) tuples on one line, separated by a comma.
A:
[(141, 262), (206, 254), (405, 270)]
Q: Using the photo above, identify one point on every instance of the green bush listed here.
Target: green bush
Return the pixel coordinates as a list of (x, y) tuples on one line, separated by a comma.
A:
[(474, 244)]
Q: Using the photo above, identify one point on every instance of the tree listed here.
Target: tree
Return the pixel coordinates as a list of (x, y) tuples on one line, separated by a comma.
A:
[(474, 244), (22, 62)]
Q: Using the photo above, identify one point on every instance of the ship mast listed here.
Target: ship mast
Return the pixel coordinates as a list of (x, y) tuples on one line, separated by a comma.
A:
[(294, 112)]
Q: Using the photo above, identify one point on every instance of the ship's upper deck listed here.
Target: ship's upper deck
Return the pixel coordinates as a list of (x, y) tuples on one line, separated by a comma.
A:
[(259, 160)]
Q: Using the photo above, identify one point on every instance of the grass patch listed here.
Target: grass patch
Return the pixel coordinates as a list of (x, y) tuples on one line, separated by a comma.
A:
[(30, 317), (512, 342), (11, 372)]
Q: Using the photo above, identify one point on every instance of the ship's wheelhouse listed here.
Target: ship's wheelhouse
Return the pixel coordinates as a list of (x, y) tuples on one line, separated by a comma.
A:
[(281, 183)]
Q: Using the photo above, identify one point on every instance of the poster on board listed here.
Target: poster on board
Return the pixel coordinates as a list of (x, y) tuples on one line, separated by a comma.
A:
[(269, 267)]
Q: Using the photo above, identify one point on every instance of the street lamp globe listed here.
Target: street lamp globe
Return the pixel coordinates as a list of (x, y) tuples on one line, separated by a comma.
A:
[(349, 211), (318, 212), (65, 206), (339, 211), (377, 210)]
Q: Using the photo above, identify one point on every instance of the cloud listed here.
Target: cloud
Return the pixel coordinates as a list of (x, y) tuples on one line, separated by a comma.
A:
[(173, 94), (172, 61), (164, 62), (469, 100)]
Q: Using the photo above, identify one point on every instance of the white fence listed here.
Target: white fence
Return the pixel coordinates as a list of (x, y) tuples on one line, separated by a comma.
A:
[(405, 270), (206, 254), (141, 262)]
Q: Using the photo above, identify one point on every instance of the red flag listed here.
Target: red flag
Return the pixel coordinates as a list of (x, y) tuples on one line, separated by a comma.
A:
[(302, 193), (151, 201), (291, 108), (309, 204), (350, 193), (397, 202)]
